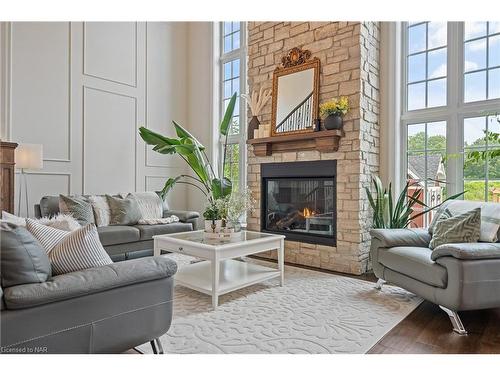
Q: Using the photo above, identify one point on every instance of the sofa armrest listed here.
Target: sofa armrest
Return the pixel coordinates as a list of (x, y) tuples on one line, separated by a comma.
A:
[(402, 237), (90, 281), (184, 216), (468, 251)]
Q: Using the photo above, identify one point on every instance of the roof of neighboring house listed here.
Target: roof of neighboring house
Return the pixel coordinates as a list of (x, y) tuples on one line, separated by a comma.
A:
[(416, 164)]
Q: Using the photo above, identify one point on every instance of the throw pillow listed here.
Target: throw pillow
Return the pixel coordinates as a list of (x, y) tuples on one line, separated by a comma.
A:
[(465, 227), (79, 208), (101, 209), (22, 259), (47, 236), (79, 250), (439, 215), (124, 211), (150, 205), (13, 219), (61, 221)]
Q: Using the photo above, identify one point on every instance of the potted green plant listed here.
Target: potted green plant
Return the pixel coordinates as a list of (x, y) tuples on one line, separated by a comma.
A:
[(210, 181), (213, 218), (388, 213), (333, 112)]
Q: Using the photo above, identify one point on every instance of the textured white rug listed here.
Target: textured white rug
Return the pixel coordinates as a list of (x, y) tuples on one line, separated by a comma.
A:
[(314, 312)]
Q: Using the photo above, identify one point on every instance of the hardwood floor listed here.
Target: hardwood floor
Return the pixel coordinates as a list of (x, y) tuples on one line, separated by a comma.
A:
[(428, 330)]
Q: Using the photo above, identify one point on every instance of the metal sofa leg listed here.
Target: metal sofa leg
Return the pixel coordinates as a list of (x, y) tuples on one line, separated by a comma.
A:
[(379, 284), (458, 327), (156, 345)]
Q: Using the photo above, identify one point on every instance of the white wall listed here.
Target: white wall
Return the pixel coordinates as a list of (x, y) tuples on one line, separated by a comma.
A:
[(83, 90), (201, 94)]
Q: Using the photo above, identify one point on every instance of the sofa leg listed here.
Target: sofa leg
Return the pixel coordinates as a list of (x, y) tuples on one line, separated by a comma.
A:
[(156, 345), (458, 327), (379, 284)]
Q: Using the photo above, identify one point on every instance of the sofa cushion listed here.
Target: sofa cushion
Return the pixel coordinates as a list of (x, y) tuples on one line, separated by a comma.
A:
[(416, 263), (23, 260), (148, 231), (124, 211), (78, 207), (118, 234), (465, 227)]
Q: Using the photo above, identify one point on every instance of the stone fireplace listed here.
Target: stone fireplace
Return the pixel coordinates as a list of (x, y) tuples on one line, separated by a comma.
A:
[(349, 55), (299, 201)]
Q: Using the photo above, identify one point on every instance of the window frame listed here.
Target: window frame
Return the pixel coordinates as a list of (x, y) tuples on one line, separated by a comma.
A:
[(453, 113), (240, 139)]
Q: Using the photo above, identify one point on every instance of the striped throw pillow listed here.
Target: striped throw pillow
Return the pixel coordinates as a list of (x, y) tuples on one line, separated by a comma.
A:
[(79, 250), (47, 236)]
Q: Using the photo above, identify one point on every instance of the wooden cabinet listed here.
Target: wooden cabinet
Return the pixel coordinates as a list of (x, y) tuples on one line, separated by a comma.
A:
[(7, 174)]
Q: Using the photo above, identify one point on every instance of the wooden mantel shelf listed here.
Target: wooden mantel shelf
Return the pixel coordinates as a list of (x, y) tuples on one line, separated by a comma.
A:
[(323, 141)]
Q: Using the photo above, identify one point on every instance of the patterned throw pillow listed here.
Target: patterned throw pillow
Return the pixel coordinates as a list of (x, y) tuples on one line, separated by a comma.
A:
[(150, 204), (465, 227), (47, 236), (101, 209), (440, 214), (79, 250), (79, 208), (124, 211)]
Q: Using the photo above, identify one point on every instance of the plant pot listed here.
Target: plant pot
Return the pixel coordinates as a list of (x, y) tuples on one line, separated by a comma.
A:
[(213, 226), (252, 125), (333, 122)]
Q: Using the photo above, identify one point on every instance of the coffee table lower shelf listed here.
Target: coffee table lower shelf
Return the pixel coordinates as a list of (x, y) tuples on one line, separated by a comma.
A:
[(233, 275)]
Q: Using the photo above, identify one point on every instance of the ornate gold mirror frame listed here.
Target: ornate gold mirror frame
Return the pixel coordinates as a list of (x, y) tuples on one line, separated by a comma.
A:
[(297, 60)]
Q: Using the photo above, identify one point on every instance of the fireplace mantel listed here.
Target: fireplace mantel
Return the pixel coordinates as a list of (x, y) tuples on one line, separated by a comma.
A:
[(323, 141)]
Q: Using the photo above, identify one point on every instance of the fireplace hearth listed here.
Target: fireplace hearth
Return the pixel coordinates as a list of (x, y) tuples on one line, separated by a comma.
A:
[(299, 200)]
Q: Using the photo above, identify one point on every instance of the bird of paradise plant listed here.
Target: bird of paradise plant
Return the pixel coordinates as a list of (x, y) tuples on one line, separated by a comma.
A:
[(212, 183)]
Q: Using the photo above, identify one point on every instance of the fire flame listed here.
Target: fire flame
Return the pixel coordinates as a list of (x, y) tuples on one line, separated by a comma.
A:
[(306, 212)]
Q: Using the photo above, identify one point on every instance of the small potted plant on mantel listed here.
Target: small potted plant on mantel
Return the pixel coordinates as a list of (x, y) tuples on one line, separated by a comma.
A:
[(333, 112)]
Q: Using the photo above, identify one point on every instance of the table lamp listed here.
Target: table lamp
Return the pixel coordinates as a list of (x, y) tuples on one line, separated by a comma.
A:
[(27, 156)]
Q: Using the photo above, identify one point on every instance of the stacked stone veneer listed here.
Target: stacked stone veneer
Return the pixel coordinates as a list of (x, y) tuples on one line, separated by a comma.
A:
[(349, 54)]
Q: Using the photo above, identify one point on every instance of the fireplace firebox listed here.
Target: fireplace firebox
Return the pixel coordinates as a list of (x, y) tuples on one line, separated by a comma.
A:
[(299, 200)]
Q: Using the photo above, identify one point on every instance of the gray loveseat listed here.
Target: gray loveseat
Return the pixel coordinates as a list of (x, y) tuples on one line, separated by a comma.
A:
[(128, 241), (108, 309), (457, 277)]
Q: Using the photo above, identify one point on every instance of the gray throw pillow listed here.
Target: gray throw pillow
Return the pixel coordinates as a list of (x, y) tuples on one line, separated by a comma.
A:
[(462, 228), (124, 211), (79, 208), (22, 259)]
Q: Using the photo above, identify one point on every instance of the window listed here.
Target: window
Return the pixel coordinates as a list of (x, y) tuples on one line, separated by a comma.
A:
[(481, 61), (451, 110), (232, 63), (426, 65)]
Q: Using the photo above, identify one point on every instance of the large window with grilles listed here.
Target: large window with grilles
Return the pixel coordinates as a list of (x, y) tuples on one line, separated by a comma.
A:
[(232, 73), (450, 112)]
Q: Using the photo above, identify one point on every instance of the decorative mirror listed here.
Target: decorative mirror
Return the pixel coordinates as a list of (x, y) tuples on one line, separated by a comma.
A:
[(295, 93)]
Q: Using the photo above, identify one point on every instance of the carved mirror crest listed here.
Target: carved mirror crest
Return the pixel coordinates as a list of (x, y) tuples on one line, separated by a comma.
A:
[(295, 93)]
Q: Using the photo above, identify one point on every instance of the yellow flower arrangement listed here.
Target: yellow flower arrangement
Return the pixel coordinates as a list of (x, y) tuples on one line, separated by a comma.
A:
[(336, 106)]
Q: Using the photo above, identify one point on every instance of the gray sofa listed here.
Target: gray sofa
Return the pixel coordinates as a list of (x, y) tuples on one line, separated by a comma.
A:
[(108, 309), (457, 277), (128, 242)]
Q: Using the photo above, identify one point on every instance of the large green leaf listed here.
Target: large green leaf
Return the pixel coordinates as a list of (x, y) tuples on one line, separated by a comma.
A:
[(221, 187), (168, 186), (155, 139), (226, 120), (183, 133)]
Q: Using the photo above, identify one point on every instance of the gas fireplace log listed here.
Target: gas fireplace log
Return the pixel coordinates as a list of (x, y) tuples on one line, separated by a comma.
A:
[(289, 220)]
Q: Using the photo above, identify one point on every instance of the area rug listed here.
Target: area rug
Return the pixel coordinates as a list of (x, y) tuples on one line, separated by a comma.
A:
[(315, 312)]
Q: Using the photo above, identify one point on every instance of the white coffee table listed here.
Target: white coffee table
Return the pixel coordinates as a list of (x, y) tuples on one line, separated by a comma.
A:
[(220, 273)]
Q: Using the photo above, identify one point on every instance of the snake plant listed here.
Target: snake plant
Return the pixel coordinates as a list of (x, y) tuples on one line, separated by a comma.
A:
[(388, 213), (212, 184)]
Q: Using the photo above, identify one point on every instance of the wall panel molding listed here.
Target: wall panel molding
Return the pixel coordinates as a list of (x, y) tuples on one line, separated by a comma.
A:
[(86, 71)]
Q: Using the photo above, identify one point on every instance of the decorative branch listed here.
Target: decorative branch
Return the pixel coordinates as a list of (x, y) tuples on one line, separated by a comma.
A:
[(257, 101)]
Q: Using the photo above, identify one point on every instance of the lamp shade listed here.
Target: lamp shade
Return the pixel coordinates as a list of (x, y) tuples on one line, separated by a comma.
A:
[(29, 156)]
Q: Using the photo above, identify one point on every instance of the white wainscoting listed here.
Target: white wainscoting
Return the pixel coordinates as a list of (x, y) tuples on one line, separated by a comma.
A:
[(83, 90)]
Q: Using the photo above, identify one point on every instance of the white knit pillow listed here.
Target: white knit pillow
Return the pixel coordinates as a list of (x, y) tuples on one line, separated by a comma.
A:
[(101, 209), (47, 236), (60, 221), (79, 250), (150, 205)]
